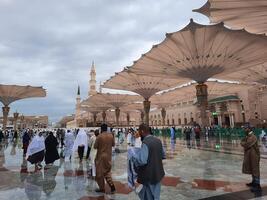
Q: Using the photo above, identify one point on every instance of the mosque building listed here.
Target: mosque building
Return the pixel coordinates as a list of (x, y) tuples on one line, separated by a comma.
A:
[(227, 110), (231, 109)]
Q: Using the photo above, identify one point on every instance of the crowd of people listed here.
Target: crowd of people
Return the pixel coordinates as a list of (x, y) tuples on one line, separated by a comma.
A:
[(145, 153)]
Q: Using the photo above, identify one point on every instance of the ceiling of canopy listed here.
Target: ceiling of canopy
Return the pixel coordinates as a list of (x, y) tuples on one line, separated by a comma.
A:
[(94, 105), (115, 100), (144, 85), (199, 52), (257, 74), (11, 93), (250, 15), (133, 107)]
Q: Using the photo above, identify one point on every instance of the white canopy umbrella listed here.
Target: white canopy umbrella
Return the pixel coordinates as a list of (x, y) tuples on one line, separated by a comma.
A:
[(11, 93), (199, 52), (93, 110), (115, 100), (94, 104), (144, 85)]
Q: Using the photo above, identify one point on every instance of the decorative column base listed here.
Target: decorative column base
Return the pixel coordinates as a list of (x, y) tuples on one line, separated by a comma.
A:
[(202, 100), (163, 115), (128, 119), (104, 115), (94, 118), (146, 109), (117, 113), (5, 110), (142, 116), (16, 116)]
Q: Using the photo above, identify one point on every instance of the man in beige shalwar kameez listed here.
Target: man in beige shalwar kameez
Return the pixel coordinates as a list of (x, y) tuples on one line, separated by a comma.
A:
[(104, 143)]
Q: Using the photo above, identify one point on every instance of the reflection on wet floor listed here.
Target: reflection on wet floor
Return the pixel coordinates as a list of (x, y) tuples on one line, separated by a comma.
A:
[(193, 171)]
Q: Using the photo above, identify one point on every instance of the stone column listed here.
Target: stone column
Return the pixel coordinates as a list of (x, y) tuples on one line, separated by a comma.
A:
[(210, 120), (117, 114), (146, 109), (163, 115), (232, 120), (94, 118), (243, 116), (5, 116), (142, 116), (16, 116), (220, 120), (104, 115), (128, 119), (202, 100)]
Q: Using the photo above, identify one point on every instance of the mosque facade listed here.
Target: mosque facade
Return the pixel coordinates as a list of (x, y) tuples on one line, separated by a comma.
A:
[(229, 110)]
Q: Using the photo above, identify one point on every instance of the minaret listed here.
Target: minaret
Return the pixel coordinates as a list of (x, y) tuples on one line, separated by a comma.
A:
[(78, 107), (92, 82)]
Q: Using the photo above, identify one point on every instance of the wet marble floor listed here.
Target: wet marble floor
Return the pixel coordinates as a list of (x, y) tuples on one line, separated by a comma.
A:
[(206, 170)]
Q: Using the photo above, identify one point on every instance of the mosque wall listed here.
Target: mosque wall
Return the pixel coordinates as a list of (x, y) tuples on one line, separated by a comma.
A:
[(263, 106)]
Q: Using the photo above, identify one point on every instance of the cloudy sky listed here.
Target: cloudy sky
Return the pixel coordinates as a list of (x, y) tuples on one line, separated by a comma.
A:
[(52, 43)]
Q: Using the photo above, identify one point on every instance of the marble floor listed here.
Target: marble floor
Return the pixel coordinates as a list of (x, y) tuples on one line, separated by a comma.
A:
[(210, 169)]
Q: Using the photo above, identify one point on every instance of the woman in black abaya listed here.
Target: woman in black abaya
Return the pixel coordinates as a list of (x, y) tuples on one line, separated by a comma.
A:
[(51, 153)]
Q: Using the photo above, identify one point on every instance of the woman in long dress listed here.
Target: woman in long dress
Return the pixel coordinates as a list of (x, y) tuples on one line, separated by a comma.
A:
[(69, 142), (35, 151), (51, 153), (80, 143)]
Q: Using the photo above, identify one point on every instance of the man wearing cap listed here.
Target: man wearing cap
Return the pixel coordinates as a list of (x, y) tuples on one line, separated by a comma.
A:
[(251, 163), (104, 143)]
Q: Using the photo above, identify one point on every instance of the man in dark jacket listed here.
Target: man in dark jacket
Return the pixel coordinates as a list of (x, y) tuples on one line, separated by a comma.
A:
[(251, 163), (149, 163)]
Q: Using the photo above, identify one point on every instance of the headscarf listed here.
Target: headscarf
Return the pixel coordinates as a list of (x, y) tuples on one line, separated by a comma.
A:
[(81, 140), (37, 144)]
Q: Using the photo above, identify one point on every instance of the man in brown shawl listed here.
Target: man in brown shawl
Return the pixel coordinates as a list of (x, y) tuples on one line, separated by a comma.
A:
[(104, 143), (251, 163)]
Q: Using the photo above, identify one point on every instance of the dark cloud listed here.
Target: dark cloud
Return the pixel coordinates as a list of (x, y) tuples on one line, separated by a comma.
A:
[(52, 43)]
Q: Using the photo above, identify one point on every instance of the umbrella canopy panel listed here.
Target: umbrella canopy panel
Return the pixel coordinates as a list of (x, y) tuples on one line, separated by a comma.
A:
[(198, 52), (257, 74), (133, 107), (11, 93), (144, 85), (95, 105), (248, 14), (116, 100)]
